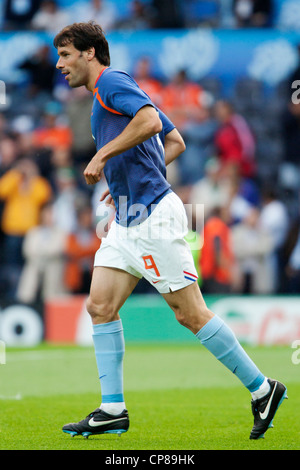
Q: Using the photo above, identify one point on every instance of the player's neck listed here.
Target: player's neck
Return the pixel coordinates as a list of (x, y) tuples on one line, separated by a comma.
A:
[(96, 70)]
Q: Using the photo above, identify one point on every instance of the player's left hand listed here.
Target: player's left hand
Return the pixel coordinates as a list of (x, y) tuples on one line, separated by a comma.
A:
[(93, 171)]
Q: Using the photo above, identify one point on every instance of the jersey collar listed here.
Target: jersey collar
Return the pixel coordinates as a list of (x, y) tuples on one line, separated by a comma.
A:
[(99, 76)]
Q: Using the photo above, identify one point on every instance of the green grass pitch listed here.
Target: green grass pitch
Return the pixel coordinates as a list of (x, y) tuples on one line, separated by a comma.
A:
[(178, 397)]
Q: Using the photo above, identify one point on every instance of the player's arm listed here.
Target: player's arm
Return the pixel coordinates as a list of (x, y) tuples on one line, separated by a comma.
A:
[(145, 124), (174, 146)]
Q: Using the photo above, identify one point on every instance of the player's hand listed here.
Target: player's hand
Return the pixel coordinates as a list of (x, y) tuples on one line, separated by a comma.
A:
[(109, 200), (92, 173)]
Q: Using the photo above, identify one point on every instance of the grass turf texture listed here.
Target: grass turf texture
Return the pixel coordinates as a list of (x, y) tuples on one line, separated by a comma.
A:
[(178, 397)]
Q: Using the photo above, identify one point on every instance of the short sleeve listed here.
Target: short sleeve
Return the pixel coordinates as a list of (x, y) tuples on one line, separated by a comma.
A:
[(121, 93), (167, 124)]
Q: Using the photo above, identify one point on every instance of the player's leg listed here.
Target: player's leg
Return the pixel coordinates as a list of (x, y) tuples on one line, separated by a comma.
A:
[(191, 311), (110, 288), (189, 307)]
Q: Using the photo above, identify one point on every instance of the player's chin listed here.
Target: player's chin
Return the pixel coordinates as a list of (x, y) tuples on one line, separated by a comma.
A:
[(73, 83)]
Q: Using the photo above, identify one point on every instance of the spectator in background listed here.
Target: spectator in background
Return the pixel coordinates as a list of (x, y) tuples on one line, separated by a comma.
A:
[(24, 192), (252, 246), (41, 72), (211, 190), (8, 154), (234, 140), (237, 205), (290, 123), (8, 157), (4, 125), (43, 248), (274, 220), (101, 11), (80, 104), (295, 75), (246, 188), (81, 246), (182, 100), (253, 13), (18, 14), (292, 260), (289, 170), (223, 187), (52, 134), (293, 269), (217, 263), (198, 135), (50, 17), (140, 17), (61, 158), (146, 81), (68, 199), (167, 14)]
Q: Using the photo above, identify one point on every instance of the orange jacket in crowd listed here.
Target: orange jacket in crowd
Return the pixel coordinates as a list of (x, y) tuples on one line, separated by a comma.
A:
[(76, 252), (182, 102), (53, 138), (217, 259)]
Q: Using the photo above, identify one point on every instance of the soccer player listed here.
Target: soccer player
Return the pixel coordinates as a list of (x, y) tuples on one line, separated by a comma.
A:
[(134, 142)]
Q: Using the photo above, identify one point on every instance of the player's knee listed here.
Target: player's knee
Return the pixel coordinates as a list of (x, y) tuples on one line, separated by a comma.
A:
[(182, 317), (100, 312), (193, 320)]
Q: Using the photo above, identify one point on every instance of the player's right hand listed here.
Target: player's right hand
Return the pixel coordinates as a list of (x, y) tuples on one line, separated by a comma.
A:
[(109, 200), (92, 173)]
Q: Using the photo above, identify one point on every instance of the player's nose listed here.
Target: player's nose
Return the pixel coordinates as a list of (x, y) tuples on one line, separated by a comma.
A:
[(59, 63)]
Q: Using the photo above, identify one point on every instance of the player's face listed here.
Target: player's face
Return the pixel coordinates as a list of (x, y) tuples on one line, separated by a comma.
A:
[(73, 65)]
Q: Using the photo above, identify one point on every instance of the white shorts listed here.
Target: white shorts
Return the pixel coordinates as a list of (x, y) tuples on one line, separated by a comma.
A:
[(154, 249)]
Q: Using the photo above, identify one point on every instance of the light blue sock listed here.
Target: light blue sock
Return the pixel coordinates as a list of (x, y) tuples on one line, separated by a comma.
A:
[(109, 349), (218, 338)]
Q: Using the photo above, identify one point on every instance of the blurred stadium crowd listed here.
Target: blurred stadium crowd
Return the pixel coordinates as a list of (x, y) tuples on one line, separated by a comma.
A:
[(241, 160)]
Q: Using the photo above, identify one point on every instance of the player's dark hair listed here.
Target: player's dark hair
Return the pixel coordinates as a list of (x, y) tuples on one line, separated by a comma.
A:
[(83, 36)]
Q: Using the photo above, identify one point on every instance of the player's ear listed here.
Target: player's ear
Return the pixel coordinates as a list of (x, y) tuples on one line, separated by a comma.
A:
[(90, 53)]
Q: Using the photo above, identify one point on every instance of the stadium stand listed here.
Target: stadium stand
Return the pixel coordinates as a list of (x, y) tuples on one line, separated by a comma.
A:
[(38, 120)]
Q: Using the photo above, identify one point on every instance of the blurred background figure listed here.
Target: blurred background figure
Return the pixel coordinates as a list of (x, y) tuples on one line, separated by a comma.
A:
[(217, 262), (253, 13), (23, 192), (79, 103), (18, 14), (41, 71), (167, 14), (81, 246), (234, 140), (103, 12), (8, 152), (68, 199), (43, 248), (138, 18), (52, 133), (50, 17), (252, 246), (144, 77), (211, 190), (291, 257), (274, 220), (182, 99), (198, 133)]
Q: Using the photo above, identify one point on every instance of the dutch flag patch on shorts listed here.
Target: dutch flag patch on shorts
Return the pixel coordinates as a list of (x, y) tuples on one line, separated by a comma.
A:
[(190, 276)]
